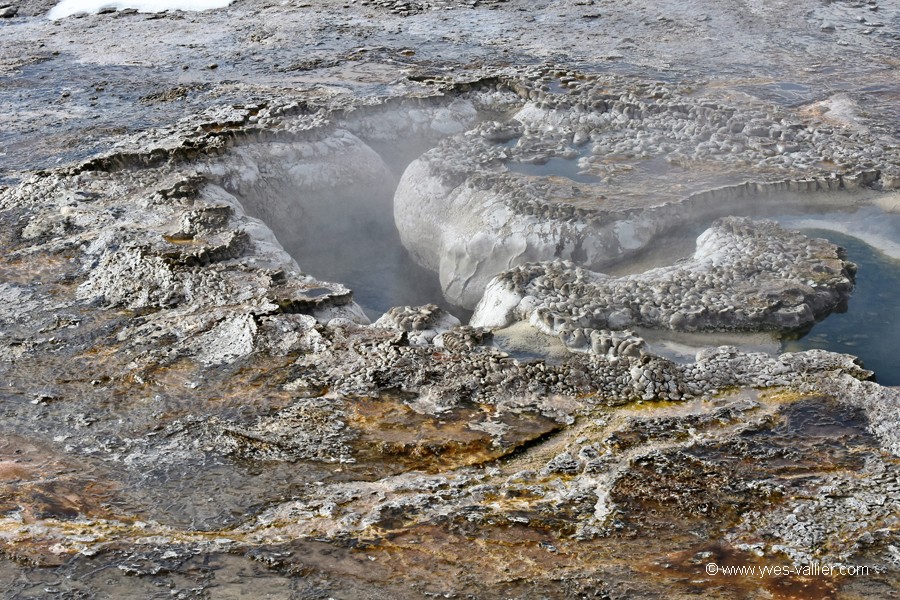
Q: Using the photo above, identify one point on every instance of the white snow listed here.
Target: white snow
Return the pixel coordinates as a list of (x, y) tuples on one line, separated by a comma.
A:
[(68, 8)]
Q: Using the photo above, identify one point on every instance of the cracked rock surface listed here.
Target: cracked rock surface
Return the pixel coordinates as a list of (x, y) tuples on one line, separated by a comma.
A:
[(188, 409)]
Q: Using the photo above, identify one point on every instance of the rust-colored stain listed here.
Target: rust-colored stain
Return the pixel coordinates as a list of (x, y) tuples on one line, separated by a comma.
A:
[(37, 483), (388, 430)]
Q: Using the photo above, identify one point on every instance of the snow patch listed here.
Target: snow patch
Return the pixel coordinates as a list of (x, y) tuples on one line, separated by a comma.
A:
[(67, 8)]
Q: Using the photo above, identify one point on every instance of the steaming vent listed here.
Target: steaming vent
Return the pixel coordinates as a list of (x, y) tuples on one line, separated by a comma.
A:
[(328, 197)]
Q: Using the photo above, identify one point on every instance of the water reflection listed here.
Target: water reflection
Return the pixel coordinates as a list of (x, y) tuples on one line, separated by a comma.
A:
[(376, 266), (869, 329), (554, 167)]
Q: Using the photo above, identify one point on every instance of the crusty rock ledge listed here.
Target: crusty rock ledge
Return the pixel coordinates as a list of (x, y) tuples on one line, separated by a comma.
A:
[(596, 173), (744, 275)]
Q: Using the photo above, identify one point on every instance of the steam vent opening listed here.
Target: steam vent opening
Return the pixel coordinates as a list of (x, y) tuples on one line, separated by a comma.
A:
[(328, 197)]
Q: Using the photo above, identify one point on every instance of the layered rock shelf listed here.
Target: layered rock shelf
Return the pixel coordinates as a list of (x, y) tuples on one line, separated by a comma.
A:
[(744, 275), (462, 212)]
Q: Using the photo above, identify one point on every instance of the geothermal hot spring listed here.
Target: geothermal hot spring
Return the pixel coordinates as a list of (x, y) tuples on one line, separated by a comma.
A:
[(864, 328), (295, 448), (329, 201)]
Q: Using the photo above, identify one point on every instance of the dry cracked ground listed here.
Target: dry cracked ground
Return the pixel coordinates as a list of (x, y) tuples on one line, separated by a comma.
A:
[(436, 298)]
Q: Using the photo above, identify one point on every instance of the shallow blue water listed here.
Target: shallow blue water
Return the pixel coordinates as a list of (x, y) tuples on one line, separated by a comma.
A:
[(559, 167), (870, 329)]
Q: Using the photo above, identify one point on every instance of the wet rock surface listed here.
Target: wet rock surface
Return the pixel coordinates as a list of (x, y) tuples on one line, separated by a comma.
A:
[(187, 412)]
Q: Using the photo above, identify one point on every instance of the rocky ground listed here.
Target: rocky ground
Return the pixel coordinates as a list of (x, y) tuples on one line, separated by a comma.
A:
[(187, 412)]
